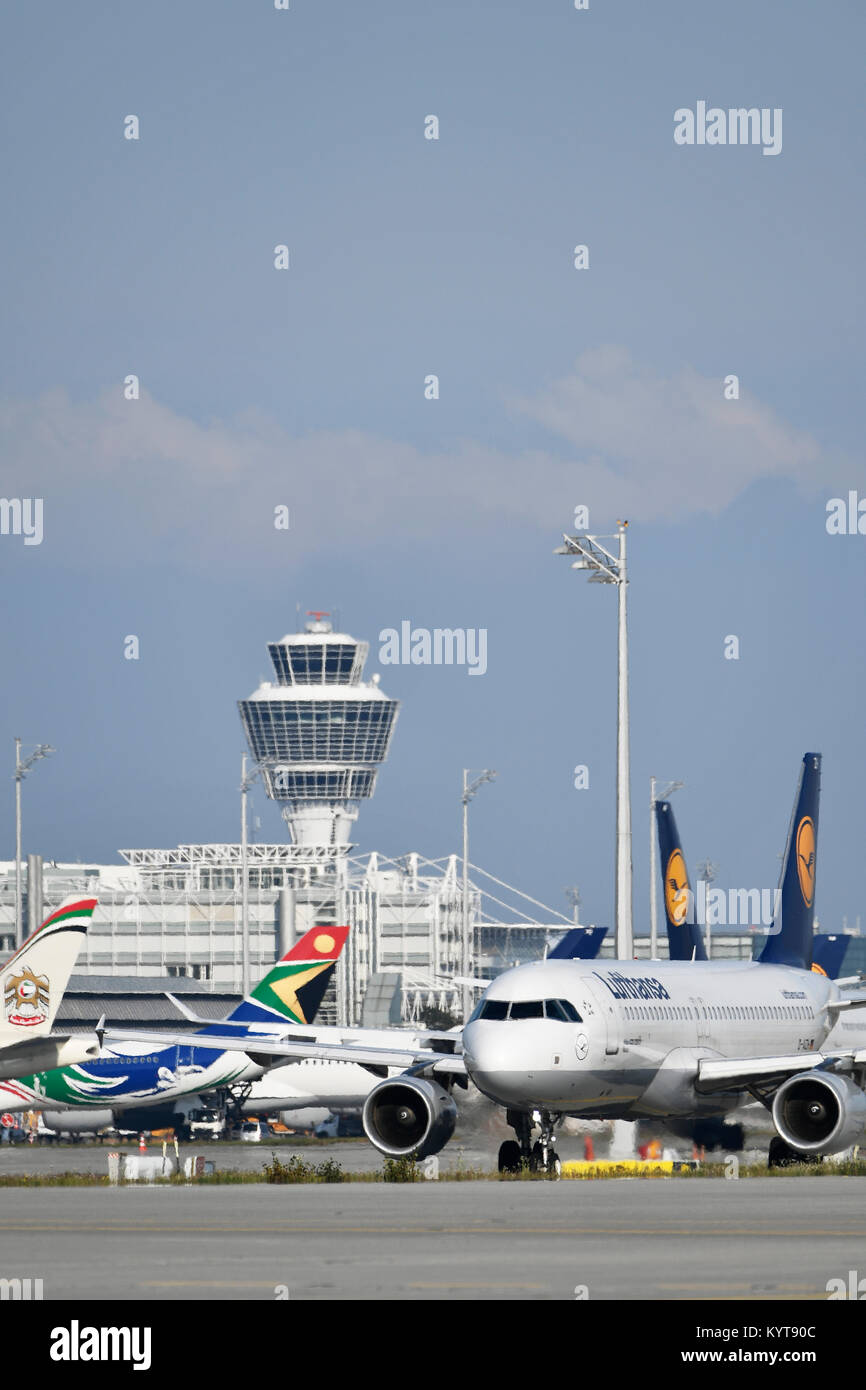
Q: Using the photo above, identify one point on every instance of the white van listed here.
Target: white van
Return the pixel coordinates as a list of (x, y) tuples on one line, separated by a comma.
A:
[(251, 1132)]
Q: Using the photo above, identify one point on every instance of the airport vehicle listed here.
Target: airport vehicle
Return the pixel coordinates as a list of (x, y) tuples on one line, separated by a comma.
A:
[(340, 1127), (206, 1123), (251, 1132), (147, 1088), (34, 981)]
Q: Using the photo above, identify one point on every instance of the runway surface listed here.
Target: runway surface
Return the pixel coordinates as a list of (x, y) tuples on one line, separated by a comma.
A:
[(760, 1239)]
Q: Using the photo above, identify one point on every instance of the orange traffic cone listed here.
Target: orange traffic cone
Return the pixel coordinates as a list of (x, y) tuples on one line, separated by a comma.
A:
[(588, 1149), (142, 1144)]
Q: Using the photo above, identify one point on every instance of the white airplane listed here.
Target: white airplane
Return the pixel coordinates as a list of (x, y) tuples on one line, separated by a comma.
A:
[(680, 1038), (34, 981)]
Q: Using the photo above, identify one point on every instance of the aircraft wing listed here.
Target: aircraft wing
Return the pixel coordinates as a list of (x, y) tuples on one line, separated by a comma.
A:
[(272, 1052), (738, 1073), (746, 1073), (838, 1006)]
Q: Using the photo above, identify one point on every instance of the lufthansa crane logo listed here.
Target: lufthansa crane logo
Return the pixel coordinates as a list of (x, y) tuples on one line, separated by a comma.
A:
[(806, 859), (676, 888)]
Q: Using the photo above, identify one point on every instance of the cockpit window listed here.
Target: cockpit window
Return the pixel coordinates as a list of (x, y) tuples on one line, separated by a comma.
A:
[(562, 1009), (494, 1008), (527, 1008)]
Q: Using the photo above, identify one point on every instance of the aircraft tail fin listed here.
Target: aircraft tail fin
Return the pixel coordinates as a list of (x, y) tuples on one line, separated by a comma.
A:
[(293, 989), (580, 943), (684, 937), (828, 954), (790, 939), (36, 976)]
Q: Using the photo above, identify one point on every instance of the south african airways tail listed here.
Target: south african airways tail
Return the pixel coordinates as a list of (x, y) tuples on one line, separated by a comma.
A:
[(293, 989)]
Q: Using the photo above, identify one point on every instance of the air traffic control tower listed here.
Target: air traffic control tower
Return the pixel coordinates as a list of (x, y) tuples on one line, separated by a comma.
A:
[(319, 734)]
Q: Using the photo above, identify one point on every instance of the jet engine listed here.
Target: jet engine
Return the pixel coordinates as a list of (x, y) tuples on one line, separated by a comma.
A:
[(408, 1115), (76, 1121), (819, 1112)]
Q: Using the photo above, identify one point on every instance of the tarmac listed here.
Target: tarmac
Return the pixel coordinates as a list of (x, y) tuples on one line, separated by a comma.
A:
[(665, 1239)]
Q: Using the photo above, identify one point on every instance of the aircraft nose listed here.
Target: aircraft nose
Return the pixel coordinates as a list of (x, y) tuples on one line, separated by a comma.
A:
[(500, 1057)]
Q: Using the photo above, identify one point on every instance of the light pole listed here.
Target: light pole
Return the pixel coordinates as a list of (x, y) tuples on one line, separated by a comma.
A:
[(22, 767), (611, 569), (246, 783), (654, 915), (469, 790), (707, 872)]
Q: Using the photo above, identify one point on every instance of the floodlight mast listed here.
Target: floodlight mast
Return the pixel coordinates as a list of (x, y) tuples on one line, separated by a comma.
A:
[(469, 790), (22, 767), (606, 568)]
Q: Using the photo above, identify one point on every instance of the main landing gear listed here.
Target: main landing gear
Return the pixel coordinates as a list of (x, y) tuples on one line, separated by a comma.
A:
[(539, 1157)]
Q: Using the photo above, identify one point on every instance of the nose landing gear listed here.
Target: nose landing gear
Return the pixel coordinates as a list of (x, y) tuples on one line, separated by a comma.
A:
[(540, 1157)]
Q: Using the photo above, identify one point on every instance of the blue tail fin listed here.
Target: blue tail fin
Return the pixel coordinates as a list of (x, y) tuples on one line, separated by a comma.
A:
[(828, 954), (684, 937), (581, 943), (790, 939)]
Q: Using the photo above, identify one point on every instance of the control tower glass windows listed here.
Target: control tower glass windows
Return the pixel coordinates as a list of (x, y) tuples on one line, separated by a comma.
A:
[(339, 731), (316, 663), (313, 784)]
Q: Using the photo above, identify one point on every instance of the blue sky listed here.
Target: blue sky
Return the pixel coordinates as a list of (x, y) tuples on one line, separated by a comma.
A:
[(557, 387)]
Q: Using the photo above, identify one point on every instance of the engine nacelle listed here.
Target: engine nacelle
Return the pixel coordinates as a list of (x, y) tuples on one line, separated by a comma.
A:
[(819, 1112), (408, 1115), (76, 1121), (47, 1054)]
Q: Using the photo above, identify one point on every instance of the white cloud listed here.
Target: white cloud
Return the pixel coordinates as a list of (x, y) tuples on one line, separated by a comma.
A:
[(126, 479)]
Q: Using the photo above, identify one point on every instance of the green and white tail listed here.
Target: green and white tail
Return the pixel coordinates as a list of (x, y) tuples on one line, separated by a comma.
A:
[(35, 978)]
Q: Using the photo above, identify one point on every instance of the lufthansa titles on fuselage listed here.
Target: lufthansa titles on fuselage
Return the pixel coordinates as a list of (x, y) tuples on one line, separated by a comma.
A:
[(632, 986)]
